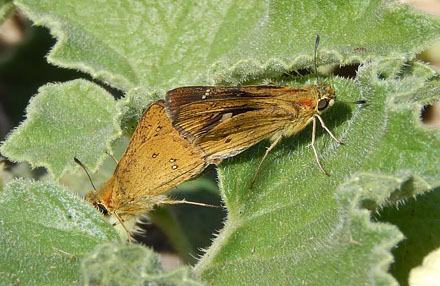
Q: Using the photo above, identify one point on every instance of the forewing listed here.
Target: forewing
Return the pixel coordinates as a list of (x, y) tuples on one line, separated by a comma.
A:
[(224, 121), (182, 96), (240, 132), (195, 111), (157, 158)]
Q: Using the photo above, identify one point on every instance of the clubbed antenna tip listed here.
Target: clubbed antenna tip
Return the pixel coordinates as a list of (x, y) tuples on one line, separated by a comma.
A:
[(85, 170), (360, 102)]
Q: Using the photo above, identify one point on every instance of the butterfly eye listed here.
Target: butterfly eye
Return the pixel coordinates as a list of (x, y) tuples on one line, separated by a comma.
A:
[(102, 208), (322, 104)]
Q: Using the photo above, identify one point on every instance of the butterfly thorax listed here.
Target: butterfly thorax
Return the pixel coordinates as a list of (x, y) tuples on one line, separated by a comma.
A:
[(307, 102)]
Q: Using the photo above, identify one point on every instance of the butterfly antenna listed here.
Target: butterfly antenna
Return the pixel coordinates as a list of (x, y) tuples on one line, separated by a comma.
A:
[(112, 156), (85, 170), (315, 54), (355, 102)]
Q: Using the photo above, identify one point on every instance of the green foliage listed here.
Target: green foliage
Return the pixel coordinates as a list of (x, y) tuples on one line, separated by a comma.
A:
[(172, 43), (115, 264), (44, 232), (72, 119), (296, 226), (6, 7)]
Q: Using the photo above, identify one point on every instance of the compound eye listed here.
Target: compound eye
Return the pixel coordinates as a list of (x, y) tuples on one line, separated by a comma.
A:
[(102, 208), (322, 104)]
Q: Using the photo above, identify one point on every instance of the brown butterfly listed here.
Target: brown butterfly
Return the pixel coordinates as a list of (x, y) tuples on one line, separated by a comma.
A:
[(226, 120), (156, 160)]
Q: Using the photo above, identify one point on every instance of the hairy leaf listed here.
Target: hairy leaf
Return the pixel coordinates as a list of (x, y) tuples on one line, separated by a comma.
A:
[(63, 121), (172, 43), (6, 6), (44, 231), (115, 264)]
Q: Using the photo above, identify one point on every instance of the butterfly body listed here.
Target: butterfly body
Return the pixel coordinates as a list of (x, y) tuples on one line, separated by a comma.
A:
[(224, 121), (156, 160)]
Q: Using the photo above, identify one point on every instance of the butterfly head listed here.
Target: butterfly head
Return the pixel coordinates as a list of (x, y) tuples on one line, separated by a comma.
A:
[(94, 199), (326, 97), (101, 208)]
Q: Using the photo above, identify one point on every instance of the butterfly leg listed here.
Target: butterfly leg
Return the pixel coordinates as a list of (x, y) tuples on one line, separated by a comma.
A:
[(274, 143), (328, 130), (113, 157), (175, 202), (314, 149), (121, 221)]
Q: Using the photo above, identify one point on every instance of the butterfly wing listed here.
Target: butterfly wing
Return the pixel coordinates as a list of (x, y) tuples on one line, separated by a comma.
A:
[(157, 157), (224, 121)]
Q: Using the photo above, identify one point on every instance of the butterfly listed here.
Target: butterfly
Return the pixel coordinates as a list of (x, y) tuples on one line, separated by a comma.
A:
[(225, 120), (156, 160)]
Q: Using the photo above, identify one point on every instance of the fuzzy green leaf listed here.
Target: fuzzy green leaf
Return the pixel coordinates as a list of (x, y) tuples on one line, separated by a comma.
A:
[(75, 118), (298, 226), (172, 43), (115, 264), (6, 6), (44, 231)]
